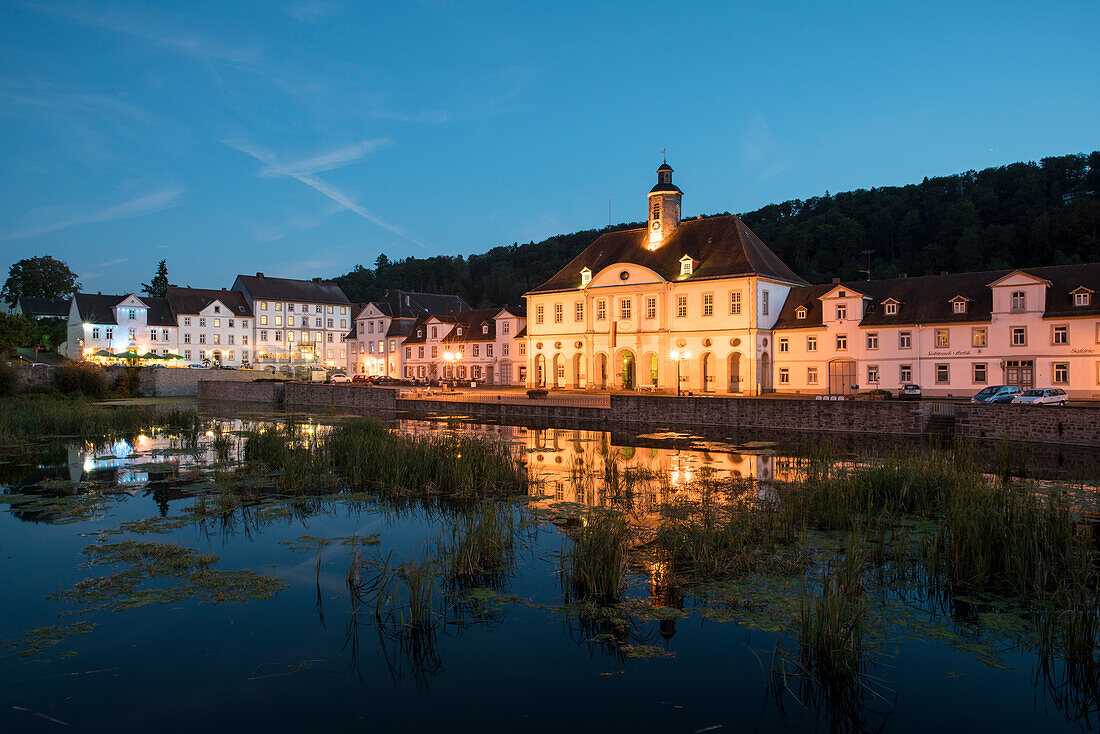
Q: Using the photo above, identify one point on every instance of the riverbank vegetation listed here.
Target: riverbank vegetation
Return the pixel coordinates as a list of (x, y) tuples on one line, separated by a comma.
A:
[(30, 417)]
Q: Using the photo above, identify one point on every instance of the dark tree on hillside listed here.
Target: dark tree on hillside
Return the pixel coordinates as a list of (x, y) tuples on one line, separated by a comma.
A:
[(1023, 214), (158, 286), (39, 277)]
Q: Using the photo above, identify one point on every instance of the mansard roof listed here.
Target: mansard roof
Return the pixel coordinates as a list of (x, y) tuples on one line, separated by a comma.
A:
[(722, 247), (471, 322), (291, 289), (96, 308), (194, 300), (927, 299)]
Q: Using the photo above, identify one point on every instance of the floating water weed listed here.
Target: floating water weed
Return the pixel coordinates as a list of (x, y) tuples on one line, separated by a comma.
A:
[(477, 546), (832, 624)]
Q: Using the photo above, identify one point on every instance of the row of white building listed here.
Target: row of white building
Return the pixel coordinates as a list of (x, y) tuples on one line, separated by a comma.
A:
[(699, 305)]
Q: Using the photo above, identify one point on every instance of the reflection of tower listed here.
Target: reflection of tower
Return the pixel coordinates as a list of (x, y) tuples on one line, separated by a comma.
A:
[(665, 592)]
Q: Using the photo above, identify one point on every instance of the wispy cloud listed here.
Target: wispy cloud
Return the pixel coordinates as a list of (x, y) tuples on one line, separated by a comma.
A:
[(304, 171), (111, 263), (326, 161), (311, 10), (138, 207), (176, 41), (762, 150)]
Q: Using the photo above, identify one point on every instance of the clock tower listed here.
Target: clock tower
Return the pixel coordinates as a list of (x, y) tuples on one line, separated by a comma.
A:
[(664, 207)]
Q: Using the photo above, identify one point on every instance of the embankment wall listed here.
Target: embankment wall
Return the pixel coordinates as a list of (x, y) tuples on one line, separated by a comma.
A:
[(1069, 425)]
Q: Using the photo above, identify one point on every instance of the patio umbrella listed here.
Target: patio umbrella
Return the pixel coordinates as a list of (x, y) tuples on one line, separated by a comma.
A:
[(151, 355), (104, 353), (128, 354)]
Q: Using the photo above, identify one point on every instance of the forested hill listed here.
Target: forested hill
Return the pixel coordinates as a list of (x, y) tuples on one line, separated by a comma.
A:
[(1020, 215)]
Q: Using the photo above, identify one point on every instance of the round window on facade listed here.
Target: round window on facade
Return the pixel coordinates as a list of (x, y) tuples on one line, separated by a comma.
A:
[(706, 342), (625, 275), (538, 345), (735, 342)]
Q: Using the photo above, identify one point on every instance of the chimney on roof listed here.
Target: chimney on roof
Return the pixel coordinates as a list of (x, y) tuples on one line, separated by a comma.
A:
[(836, 281), (259, 275)]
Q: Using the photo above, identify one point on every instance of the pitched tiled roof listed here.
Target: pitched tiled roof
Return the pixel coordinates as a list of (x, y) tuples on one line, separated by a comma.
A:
[(721, 247), (291, 289), (927, 299), (194, 300), (411, 304), (470, 322), (99, 309), (49, 307)]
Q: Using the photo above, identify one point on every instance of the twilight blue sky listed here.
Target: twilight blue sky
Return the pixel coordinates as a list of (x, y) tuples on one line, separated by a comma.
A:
[(301, 137)]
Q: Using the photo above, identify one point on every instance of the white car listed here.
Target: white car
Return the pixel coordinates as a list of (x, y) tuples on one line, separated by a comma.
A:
[(340, 377), (1042, 396)]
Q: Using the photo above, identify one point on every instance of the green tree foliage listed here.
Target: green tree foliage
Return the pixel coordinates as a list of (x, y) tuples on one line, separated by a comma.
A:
[(52, 332), (16, 331), (39, 277), (158, 286), (1020, 215)]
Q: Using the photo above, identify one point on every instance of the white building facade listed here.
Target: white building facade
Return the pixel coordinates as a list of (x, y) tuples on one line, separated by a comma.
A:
[(215, 326)]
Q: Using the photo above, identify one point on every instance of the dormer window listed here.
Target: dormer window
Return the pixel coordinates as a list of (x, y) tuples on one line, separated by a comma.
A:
[(484, 328), (460, 331), (841, 294), (218, 309), (1019, 301), (958, 304), (686, 265), (1082, 296), (586, 276), (891, 309), (841, 312), (800, 313), (419, 333)]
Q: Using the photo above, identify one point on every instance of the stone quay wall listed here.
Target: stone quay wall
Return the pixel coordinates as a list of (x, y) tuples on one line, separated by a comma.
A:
[(174, 382), (224, 391), (1069, 425)]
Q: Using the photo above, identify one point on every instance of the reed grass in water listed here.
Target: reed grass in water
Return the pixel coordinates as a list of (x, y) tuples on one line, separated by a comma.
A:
[(34, 417)]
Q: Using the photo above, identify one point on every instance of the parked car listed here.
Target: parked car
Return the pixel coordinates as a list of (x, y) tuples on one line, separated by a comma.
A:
[(909, 392), (339, 377), (226, 367), (996, 394), (387, 380), (360, 378), (1042, 396), (195, 367)]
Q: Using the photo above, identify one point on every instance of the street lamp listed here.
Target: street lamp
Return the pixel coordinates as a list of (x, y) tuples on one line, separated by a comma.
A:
[(678, 357), (451, 358)]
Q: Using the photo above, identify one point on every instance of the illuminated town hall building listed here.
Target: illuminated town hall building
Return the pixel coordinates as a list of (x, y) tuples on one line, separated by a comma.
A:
[(704, 306)]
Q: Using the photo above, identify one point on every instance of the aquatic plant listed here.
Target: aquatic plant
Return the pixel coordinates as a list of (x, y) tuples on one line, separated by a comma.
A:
[(833, 622), (33, 417), (592, 562), (476, 546)]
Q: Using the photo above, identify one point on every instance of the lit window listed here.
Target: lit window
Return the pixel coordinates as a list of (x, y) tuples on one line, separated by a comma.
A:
[(979, 337), (686, 264), (942, 338), (586, 276)]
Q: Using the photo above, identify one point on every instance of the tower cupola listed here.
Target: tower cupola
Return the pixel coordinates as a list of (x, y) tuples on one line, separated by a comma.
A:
[(664, 207)]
